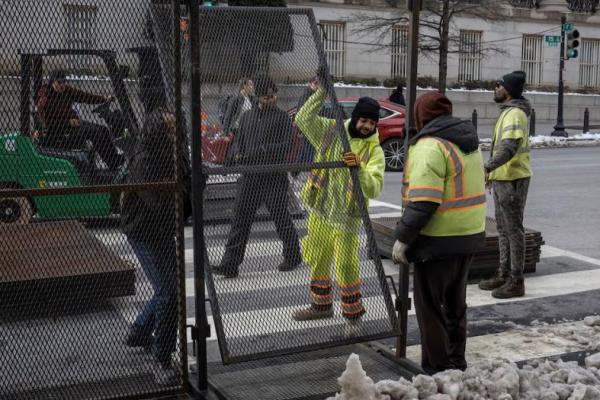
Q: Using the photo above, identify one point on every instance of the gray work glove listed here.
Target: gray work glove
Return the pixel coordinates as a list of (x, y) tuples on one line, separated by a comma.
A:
[(399, 252)]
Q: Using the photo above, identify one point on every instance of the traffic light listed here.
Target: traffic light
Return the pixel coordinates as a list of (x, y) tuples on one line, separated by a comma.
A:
[(572, 40)]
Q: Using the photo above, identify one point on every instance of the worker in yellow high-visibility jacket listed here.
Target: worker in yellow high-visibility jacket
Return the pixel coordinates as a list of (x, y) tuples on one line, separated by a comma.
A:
[(509, 173), (334, 217), (442, 225)]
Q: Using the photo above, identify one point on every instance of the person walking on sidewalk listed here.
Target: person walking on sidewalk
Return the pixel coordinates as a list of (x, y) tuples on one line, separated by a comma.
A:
[(264, 137), (508, 171), (334, 217), (442, 225)]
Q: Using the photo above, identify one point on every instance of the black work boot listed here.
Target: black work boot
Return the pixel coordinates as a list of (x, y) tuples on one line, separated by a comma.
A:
[(225, 271), (514, 287), (137, 337), (288, 266), (494, 282)]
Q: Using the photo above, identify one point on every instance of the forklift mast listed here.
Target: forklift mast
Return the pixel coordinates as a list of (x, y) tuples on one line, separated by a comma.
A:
[(32, 73)]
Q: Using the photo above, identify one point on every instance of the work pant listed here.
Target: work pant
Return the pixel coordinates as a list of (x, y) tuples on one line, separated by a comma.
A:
[(158, 318), (323, 244), (440, 290), (509, 202), (255, 190), (75, 138)]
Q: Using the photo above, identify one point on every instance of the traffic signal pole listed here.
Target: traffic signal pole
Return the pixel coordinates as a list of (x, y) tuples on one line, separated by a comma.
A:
[(559, 128)]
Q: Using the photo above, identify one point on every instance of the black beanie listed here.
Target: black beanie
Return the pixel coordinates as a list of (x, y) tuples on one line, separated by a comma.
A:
[(514, 83), (366, 108), (264, 86)]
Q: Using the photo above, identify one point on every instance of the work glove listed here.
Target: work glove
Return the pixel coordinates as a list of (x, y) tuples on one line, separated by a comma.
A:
[(399, 252), (351, 159)]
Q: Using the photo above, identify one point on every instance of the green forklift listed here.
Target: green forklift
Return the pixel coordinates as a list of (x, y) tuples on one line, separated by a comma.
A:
[(26, 164)]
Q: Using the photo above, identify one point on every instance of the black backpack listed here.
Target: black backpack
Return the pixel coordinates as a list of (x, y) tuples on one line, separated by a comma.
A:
[(222, 107)]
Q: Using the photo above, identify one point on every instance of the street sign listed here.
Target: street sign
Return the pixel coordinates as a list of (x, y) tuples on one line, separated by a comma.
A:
[(568, 27), (552, 44), (552, 39)]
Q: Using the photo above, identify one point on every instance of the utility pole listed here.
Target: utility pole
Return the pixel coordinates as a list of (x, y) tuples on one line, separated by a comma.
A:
[(414, 6), (559, 128)]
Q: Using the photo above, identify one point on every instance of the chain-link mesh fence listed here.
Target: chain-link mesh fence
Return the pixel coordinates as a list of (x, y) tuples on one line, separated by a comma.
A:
[(290, 258), (91, 212)]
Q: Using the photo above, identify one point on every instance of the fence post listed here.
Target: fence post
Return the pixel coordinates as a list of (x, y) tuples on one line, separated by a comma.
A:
[(474, 119), (532, 123), (586, 120)]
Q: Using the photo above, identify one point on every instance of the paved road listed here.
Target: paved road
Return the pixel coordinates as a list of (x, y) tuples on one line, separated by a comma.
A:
[(564, 199), (542, 128)]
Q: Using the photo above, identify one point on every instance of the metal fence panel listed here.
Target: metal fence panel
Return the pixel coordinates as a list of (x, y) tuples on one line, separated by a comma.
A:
[(91, 215), (296, 242)]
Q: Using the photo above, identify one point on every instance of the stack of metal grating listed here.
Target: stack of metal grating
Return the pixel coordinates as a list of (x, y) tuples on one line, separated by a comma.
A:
[(485, 261)]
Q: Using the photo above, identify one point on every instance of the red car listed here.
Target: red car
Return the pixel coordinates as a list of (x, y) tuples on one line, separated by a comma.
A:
[(390, 127)]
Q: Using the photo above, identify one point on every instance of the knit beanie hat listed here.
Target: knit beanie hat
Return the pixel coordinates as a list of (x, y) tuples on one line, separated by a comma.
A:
[(430, 106), (264, 86), (514, 83), (366, 107)]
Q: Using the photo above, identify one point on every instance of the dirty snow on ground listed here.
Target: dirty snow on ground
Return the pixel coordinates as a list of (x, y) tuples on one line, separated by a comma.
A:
[(495, 379), (543, 141)]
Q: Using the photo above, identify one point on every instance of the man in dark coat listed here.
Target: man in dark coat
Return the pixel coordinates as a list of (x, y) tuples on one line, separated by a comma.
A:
[(397, 96), (264, 137), (148, 220), (64, 128)]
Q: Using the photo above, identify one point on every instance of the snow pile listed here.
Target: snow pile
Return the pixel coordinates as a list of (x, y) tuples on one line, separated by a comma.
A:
[(545, 141), (496, 379)]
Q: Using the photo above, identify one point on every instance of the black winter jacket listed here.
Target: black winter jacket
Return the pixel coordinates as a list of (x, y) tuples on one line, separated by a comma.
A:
[(150, 215), (263, 137)]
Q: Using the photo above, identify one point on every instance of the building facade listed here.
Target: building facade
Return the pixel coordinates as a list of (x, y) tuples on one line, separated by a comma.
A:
[(486, 48)]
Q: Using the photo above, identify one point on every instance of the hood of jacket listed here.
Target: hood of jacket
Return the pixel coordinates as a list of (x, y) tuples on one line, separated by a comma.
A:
[(460, 132), (521, 103)]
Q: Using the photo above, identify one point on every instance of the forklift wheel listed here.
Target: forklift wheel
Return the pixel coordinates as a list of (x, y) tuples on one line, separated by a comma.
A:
[(15, 210)]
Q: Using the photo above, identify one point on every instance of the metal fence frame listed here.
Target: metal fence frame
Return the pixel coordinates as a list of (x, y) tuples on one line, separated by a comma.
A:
[(173, 186)]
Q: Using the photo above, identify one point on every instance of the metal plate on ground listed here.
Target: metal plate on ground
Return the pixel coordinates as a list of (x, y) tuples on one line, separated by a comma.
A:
[(304, 376), (485, 261)]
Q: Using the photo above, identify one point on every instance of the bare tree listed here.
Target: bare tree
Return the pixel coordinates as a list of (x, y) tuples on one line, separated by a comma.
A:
[(438, 34)]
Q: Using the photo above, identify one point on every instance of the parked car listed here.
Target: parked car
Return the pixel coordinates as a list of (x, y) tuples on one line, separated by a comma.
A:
[(390, 127)]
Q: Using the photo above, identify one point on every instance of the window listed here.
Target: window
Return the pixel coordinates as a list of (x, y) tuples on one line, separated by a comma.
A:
[(80, 31), (589, 64), (469, 56), (333, 35), (532, 58), (399, 51)]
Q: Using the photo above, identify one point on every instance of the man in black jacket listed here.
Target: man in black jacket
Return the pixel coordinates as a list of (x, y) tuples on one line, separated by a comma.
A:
[(148, 220), (264, 137)]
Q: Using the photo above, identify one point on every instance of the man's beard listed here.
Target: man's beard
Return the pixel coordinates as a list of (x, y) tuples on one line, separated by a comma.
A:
[(499, 99)]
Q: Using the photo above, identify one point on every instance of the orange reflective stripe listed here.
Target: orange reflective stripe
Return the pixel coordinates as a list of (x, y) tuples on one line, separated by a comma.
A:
[(457, 167), (423, 198), (351, 285), (322, 282)]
